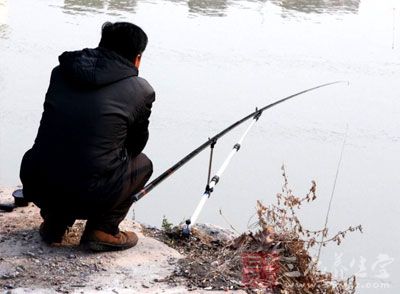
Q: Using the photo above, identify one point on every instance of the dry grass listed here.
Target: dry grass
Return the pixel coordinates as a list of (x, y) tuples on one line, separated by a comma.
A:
[(278, 237)]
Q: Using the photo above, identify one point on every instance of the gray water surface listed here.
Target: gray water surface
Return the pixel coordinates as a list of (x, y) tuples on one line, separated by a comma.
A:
[(212, 62)]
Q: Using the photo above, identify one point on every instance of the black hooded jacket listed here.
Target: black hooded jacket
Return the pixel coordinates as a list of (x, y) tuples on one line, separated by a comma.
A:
[(96, 117)]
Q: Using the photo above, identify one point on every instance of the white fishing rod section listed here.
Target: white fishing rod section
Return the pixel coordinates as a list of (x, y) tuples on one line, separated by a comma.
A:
[(215, 179)]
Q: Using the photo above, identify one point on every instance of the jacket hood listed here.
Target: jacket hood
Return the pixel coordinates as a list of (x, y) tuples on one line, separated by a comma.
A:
[(95, 67)]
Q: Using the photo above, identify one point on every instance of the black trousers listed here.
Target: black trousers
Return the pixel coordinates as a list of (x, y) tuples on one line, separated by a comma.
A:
[(139, 171), (101, 215)]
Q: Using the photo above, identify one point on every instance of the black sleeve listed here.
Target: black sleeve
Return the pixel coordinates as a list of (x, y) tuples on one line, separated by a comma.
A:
[(138, 132)]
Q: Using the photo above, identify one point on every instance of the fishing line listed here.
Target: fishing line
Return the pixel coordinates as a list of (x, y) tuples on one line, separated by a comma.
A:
[(333, 192), (394, 27)]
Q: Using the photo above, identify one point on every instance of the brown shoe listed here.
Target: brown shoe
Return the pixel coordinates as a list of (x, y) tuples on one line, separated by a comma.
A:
[(97, 240)]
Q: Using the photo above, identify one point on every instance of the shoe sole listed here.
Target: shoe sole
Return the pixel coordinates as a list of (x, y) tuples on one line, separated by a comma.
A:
[(100, 246)]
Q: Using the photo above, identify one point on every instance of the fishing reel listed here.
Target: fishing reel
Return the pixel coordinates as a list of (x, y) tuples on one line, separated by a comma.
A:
[(19, 201)]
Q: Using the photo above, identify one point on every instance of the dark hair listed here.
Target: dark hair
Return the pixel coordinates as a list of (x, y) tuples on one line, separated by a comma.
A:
[(124, 38)]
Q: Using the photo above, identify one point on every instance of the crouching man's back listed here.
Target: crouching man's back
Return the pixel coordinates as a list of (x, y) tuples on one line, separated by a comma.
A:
[(86, 160)]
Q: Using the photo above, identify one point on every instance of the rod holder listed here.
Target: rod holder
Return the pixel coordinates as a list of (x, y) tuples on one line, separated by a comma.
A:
[(186, 229)]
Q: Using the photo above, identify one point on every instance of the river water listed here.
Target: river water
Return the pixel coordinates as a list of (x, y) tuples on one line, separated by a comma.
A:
[(212, 62)]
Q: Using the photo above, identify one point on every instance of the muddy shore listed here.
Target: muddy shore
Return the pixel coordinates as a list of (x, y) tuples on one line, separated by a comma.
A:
[(274, 257), (27, 265)]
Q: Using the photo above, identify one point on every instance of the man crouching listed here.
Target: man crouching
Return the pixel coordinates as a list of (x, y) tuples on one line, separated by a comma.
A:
[(86, 161)]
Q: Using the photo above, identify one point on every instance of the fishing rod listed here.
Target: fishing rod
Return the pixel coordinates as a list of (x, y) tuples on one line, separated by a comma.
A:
[(212, 141)]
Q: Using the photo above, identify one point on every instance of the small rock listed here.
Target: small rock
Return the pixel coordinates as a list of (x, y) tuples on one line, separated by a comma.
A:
[(145, 286), (5, 276), (78, 286), (216, 233), (214, 263), (289, 258), (31, 254), (295, 274)]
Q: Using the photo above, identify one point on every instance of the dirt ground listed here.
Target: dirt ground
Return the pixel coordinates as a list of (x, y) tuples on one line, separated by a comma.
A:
[(27, 265), (273, 258)]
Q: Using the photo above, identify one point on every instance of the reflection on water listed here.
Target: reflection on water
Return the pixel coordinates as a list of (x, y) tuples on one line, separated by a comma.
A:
[(215, 7), (219, 7), (208, 7), (319, 6), (127, 5), (3, 19), (3, 31), (84, 6)]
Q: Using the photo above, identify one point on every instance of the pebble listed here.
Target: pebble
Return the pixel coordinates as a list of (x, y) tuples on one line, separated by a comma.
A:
[(78, 286), (5, 276), (295, 274), (289, 258), (31, 254), (20, 268)]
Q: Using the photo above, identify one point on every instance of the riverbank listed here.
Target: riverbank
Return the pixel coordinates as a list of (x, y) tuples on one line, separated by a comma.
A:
[(27, 265), (273, 256)]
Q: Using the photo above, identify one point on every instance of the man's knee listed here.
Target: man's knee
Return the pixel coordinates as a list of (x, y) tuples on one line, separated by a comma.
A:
[(145, 164), (149, 167)]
